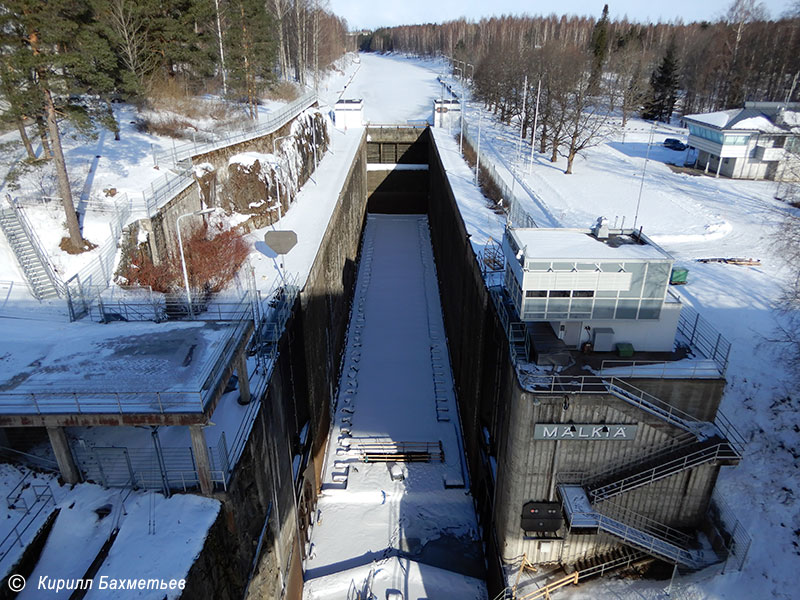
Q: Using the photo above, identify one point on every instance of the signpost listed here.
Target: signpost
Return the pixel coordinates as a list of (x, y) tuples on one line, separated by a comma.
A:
[(281, 242)]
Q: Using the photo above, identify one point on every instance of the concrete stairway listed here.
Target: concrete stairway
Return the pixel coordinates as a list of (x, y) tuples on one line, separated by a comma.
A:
[(635, 530), (41, 278), (649, 470)]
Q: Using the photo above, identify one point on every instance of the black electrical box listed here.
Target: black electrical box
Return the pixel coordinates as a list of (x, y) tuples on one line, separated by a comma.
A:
[(541, 516)]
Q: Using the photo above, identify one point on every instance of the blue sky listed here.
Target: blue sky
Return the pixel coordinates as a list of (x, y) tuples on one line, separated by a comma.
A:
[(373, 13)]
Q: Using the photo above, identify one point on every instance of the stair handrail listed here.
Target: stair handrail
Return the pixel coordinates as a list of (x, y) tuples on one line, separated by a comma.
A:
[(43, 499), (645, 524), (36, 244), (626, 560), (628, 392), (676, 465), (683, 440), (544, 592), (587, 478)]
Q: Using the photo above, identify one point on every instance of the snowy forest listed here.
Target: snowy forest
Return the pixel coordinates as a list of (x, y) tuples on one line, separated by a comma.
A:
[(72, 59), (745, 55)]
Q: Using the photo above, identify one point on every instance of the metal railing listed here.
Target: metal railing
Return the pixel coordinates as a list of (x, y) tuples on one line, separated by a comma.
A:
[(594, 384), (692, 369), (512, 193), (638, 531), (273, 121), (162, 190), (703, 336), (30, 460), (43, 498), (43, 401), (164, 469), (720, 451), (684, 440), (735, 536), (16, 213), (619, 562)]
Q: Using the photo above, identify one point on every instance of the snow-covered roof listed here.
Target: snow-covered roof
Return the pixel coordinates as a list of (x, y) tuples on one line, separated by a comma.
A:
[(751, 118), (577, 244), (720, 119), (113, 368), (759, 123)]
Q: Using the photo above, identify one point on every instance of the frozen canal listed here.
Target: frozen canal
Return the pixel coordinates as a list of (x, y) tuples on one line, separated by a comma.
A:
[(389, 527)]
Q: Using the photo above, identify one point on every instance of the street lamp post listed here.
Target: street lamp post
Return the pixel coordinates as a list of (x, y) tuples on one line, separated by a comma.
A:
[(278, 166), (278, 185), (205, 211), (478, 159)]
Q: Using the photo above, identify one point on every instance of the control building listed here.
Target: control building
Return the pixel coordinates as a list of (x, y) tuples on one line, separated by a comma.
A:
[(610, 441)]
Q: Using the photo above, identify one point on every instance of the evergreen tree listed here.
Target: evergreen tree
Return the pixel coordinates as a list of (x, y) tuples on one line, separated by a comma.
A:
[(599, 49), (663, 87), (250, 51), (56, 47)]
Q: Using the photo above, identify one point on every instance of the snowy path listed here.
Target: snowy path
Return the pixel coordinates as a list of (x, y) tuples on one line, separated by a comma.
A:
[(396, 380)]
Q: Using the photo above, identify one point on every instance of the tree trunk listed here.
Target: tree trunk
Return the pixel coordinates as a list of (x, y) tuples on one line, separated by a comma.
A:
[(40, 126), (570, 158), (25, 139), (73, 227), (543, 140)]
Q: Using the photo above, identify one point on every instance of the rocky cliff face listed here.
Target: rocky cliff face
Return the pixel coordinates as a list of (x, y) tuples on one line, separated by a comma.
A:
[(263, 185)]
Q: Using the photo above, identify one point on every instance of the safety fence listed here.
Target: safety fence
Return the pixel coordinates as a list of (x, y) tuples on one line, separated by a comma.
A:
[(31, 500), (180, 152)]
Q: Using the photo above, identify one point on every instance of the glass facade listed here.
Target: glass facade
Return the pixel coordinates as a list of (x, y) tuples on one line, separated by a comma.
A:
[(717, 136), (641, 300)]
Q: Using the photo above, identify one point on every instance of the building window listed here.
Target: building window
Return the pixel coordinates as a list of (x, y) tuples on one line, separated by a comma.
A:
[(535, 294), (583, 294), (559, 293)]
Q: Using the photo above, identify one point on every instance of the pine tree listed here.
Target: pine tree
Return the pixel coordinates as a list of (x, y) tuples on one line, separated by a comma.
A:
[(59, 47), (599, 49), (250, 50), (663, 87)]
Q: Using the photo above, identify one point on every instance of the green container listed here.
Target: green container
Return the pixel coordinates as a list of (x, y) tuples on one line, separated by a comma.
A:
[(678, 276), (625, 350)]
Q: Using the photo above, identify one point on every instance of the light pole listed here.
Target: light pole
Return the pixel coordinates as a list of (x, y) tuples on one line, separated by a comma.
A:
[(205, 211), (278, 186), (449, 121), (478, 159), (278, 166)]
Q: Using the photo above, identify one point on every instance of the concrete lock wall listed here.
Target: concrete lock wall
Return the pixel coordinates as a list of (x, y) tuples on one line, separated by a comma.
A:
[(326, 298), (299, 393)]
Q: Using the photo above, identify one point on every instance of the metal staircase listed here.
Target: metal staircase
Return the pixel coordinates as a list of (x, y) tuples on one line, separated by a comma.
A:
[(634, 530), (39, 273), (644, 472)]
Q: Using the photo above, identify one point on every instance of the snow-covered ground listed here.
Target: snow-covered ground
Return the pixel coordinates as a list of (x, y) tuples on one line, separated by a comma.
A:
[(176, 526)]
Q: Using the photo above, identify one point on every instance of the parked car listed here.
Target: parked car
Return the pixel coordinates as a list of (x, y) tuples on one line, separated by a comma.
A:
[(674, 144)]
